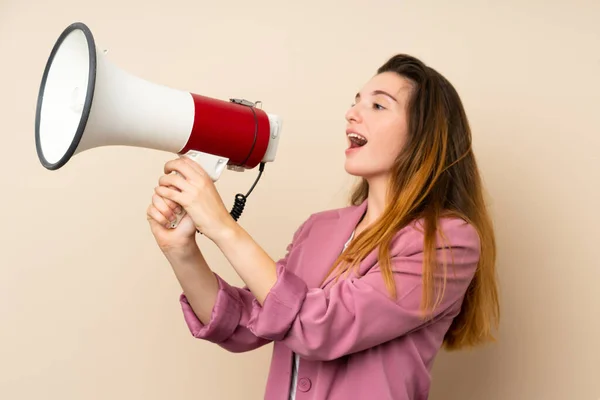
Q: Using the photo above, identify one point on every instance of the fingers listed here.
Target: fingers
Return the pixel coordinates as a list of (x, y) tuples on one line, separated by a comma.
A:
[(182, 165), (172, 194), (172, 205), (194, 166), (175, 180), (154, 214), (186, 167), (161, 205)]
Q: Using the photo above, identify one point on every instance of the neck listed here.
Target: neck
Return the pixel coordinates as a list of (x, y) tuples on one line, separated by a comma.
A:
[(376, 200)]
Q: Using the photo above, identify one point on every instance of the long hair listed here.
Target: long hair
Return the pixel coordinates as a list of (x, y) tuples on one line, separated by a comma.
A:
[(436, 175)]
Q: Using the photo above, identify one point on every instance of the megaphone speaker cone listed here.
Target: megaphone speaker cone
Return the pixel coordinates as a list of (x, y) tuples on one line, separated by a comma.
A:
[(65, 96)]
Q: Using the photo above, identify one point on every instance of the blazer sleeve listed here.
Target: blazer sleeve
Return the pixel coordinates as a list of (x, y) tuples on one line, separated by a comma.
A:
[(355, 314), (228, 325)]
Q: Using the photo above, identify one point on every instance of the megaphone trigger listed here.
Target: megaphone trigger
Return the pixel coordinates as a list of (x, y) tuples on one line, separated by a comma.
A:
[(213, 165)]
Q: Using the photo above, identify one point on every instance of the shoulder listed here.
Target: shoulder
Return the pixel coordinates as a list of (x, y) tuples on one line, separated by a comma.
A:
[(331, 214), (452, 233), (327, 217)]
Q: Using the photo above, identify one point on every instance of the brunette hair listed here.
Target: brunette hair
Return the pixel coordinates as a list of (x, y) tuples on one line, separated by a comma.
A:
[(436, 175)]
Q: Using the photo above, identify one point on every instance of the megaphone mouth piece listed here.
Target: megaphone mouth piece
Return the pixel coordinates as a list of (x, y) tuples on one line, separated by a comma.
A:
[(65, 82)]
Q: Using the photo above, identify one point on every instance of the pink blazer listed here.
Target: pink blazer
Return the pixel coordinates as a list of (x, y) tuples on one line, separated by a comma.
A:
[(354, 341)]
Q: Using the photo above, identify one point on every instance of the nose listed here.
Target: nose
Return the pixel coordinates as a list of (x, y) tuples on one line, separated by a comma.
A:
[(353, 115)]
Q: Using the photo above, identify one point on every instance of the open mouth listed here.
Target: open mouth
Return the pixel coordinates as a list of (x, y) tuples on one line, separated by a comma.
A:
[(356, 140)]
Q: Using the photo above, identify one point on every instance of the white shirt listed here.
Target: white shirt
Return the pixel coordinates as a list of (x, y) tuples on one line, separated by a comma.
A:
[(297, 359)]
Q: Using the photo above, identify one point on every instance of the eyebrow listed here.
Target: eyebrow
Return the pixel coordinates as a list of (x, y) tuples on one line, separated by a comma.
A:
[(375, 92)]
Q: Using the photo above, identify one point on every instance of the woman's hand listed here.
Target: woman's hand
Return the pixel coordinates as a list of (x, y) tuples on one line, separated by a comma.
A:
[(193, 189), (160, 213)]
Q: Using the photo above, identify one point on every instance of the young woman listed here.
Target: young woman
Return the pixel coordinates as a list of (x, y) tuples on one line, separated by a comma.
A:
[(366, 295)]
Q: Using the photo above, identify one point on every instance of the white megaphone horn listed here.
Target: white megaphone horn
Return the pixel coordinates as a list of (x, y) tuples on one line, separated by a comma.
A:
[(84, 102)]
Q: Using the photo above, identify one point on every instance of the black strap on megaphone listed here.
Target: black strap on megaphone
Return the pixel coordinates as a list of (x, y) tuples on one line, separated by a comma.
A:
[(251, 105)]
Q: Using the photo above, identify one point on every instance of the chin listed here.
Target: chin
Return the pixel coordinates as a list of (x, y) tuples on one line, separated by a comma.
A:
[(364, 171), (357, 170)]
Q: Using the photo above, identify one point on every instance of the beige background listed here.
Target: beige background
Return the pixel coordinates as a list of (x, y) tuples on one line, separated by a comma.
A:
[(88, 305)]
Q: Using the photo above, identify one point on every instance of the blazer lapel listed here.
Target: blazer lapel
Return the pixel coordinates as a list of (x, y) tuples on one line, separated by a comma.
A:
[(326, 241)]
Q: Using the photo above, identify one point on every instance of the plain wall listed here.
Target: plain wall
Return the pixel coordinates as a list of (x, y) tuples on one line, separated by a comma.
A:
[(89, 306)]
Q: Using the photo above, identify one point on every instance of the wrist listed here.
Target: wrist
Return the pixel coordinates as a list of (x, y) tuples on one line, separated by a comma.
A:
[(185, 250), (230, 232)]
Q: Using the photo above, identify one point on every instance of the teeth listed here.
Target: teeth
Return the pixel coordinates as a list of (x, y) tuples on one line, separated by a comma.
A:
[(361, 140), (357, 136)]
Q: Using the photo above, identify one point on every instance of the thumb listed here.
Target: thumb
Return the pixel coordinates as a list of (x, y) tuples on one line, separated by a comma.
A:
[(186, 224)]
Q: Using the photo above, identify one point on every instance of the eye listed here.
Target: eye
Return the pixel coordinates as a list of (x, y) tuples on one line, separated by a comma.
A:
[(378, 106)]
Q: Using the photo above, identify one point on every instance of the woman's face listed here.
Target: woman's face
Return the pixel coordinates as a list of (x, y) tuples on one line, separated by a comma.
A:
[(379, 118)]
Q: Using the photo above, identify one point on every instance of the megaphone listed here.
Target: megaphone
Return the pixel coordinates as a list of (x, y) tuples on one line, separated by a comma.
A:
[(85, 102)]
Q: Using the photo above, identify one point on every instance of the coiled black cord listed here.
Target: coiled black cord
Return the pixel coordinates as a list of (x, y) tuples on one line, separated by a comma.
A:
[(240, 199)]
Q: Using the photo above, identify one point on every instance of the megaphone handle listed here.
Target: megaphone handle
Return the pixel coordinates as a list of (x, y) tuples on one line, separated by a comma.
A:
[(213, 165), (239, 203), (178, 219)]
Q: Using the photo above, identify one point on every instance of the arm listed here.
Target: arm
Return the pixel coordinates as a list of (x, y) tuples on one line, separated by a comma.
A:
[(353, 314), (215, 310), (199, 283)]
